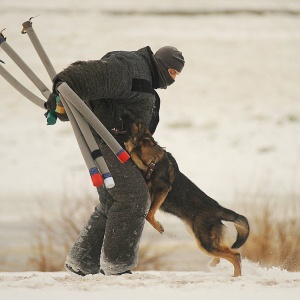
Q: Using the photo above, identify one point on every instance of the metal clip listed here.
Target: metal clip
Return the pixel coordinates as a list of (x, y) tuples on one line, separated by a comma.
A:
[(2, 38), (27, 24)]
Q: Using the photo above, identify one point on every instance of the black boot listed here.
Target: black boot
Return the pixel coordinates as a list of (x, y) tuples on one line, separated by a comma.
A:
[(122, 273), (69, 268)]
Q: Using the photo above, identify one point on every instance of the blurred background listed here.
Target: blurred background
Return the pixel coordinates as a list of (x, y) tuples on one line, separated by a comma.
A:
[(232, 121)]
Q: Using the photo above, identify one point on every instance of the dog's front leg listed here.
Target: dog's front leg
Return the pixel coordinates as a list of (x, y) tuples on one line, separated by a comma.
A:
[(157, 201)]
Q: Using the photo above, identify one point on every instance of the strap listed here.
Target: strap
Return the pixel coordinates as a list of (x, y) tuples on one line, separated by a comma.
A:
[(142, 85), (150, 170), (155, 114)]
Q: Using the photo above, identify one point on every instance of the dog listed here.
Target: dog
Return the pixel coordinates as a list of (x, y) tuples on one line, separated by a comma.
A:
[(174, 193), (155, 164)]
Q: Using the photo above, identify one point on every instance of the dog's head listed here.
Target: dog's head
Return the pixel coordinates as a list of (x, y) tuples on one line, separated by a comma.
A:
[(138, 135)]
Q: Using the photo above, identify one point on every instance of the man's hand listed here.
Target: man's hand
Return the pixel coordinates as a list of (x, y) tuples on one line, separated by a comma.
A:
[(54, 105)]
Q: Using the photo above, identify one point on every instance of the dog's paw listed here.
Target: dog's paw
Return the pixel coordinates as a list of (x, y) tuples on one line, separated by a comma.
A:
[(215, 261), (159, 227), (155, 223)]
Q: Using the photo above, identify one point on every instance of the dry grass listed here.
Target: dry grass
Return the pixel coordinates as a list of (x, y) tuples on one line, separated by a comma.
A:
[(274, 239), (57, 230), (275, 232), (151, 258)]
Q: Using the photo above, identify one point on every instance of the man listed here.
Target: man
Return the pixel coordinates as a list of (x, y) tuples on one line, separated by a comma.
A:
[(120, 82)]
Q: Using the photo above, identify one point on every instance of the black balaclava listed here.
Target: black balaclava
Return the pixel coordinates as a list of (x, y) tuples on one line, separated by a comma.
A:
[(167, 57)]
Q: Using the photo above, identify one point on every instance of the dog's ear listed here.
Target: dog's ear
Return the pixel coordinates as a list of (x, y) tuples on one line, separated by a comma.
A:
[(139, 134), (134, 130)]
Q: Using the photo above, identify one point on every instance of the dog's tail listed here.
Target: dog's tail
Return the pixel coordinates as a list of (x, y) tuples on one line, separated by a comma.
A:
[(241, 224), (243, 229)]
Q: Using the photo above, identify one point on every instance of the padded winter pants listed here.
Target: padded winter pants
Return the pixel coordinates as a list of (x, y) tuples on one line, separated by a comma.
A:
[(111, 237)]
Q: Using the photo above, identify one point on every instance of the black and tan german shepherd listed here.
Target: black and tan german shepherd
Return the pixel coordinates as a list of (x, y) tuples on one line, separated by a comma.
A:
[(174, 193), (158, 169)]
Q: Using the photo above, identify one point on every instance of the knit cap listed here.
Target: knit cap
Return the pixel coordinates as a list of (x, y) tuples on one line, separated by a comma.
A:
[(170, 57)]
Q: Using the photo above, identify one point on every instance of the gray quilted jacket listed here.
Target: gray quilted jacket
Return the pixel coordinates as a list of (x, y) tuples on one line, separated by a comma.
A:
[(120, 82)]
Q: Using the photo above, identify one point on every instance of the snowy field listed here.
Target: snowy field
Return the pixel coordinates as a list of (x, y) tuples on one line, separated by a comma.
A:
[(232, 120), (257, 283)]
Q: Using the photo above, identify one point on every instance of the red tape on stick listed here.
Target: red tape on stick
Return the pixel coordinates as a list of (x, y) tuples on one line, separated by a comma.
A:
[(123, 156), (96, 177)]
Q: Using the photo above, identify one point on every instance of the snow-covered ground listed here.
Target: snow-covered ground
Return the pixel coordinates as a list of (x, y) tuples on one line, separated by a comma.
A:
[(257, 283), (232, 120)]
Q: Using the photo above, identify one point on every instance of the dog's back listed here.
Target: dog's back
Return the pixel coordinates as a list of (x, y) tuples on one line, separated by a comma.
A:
[(185, 198)]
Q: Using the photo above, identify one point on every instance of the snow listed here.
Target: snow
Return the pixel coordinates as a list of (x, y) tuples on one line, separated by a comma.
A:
[(237, 95), (257, 282), (232, 121)]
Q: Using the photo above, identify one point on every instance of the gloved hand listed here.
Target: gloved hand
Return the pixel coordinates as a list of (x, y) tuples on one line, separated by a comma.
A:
[(54, 105), (50, 104)]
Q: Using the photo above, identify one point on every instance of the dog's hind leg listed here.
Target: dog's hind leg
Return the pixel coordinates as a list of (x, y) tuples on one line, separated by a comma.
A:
[(209, 239), (157, 201), (232, 256), (226, 253)]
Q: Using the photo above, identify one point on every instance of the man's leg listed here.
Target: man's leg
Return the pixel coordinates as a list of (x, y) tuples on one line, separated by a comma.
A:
[(125, 217), (84, 256), (114, 229)]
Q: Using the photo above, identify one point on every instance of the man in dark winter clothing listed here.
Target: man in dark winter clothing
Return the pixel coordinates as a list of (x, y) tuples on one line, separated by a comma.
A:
[(120, 82)]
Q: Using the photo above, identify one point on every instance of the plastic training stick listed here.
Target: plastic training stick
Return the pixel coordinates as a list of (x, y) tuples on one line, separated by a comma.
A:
[(93, 147), (27, 28), (72, 97), (85, 135), (85, 151), (82, 132), (21, 88), (24, 67), (94, 172)]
